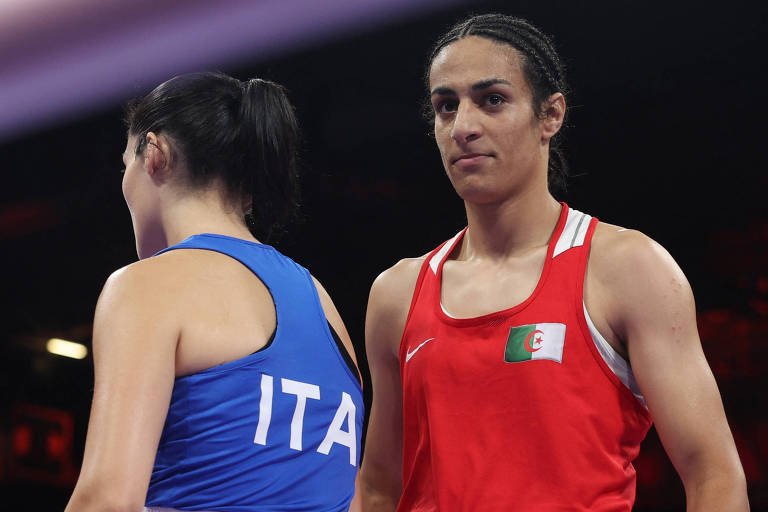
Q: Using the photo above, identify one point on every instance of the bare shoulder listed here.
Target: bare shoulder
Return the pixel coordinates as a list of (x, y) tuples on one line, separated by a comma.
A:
[(399, 278), (620, 254), (135, 315), (150, 279), (134, 280), (396, 284), (388, 306), (637, 274), (149, 289), (180, 270)]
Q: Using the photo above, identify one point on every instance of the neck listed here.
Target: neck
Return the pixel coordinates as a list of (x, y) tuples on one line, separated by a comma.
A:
[(192, 214), (520, 223)]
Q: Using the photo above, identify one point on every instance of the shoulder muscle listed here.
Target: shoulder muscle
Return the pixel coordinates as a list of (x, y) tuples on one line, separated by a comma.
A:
[(644, 283), (388, 305), (137, 296)]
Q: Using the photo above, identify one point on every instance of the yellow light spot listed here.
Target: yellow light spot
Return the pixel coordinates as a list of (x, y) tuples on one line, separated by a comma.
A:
[(66, 348)]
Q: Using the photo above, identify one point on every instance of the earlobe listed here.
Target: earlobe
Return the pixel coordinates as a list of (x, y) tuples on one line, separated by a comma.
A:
[(554, 116)]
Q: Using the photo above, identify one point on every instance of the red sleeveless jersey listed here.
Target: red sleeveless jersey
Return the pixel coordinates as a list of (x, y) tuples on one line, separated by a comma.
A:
[(517, 409)]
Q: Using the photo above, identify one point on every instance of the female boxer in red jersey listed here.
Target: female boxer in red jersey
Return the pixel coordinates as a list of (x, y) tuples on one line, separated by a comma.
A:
[(519, 365)]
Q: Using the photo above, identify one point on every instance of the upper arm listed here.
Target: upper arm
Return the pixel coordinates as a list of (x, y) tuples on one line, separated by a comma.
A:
[(134, 344), (653, 311), (388, 306)]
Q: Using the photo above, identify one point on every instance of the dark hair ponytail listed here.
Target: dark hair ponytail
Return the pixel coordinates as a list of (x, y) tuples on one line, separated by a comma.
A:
[(268, 136), (244, 134)]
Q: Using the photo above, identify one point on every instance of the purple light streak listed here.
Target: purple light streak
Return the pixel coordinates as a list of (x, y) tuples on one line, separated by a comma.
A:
[(61, 58)]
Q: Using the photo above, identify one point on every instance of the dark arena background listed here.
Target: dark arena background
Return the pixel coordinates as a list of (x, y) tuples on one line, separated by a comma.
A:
[(666, 135)]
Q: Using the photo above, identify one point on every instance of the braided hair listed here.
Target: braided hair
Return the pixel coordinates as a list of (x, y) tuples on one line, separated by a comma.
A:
[(542, 67)]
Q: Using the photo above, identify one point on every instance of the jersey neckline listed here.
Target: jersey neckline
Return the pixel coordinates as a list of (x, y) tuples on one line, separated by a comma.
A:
[(191, 238), (231, 238), (475, 320)]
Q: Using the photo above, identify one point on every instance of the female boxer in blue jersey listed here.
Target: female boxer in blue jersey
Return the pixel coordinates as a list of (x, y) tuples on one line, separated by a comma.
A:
[(224, 376)]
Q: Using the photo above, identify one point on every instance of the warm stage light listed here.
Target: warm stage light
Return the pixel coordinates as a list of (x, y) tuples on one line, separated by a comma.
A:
[(66, 348)]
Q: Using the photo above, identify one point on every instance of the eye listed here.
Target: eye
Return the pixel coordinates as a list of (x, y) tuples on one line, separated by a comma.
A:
[(446, 106), (494, 100)]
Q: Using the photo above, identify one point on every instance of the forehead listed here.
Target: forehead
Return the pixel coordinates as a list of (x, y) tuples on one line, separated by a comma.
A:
[(473, 59)]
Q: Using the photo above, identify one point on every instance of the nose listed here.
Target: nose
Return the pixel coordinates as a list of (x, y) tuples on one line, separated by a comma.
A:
[(467, 125)]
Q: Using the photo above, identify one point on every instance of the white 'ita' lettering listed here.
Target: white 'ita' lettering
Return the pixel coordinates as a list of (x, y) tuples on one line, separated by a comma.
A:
[(345, 411)]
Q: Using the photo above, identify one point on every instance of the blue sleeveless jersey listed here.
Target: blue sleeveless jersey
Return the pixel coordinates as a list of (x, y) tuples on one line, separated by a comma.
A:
[(278, 430)]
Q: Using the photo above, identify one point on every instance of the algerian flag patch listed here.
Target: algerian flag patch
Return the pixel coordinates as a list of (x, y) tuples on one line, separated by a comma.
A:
[(537, 341)]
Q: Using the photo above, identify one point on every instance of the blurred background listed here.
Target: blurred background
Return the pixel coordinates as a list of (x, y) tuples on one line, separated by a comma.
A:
[(666, 135)]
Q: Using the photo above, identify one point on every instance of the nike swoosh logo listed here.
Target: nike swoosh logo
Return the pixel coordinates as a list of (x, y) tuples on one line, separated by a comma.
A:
[(409, 355)]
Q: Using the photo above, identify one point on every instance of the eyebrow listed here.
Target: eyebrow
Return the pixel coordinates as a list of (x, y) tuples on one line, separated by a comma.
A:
[(477, 86), (488, 83)]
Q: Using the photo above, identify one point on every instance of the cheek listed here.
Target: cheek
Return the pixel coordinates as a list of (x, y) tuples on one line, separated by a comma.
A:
[(442, 138), (520, 140), (126, 189), (129, 187)]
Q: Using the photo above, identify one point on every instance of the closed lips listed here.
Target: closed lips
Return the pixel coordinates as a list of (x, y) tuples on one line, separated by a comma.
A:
[(468, 156)]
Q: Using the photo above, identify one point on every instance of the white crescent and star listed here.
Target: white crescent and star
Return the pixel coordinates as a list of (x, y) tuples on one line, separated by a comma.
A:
[(527, 343)]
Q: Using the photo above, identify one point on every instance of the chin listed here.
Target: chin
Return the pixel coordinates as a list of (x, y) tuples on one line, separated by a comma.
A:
[(475, 196), (479, 191)]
